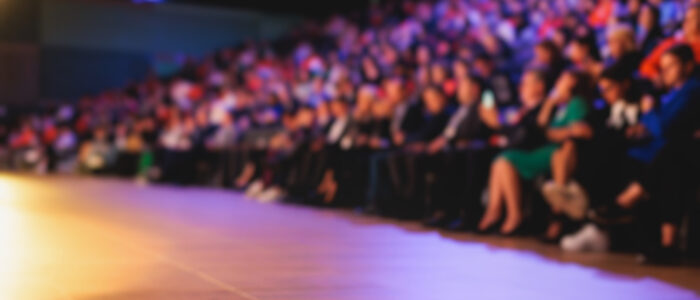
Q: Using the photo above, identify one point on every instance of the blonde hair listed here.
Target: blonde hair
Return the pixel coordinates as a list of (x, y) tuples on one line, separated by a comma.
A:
[(625, 34)]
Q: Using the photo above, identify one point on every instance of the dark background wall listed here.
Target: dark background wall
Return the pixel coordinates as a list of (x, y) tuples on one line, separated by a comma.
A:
[(64, 49), (19, 51), (18, 21)]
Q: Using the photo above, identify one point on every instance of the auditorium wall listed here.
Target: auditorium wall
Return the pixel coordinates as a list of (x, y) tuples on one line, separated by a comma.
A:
[(79, 47)]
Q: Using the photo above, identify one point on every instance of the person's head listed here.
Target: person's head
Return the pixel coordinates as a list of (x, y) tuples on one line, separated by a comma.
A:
[(469, 89), (691, 23), (533, 87), (121, 129), (546, 53), (393, 90), (648, 17), (438, 73), (560, 37), (613, 84), (202, 117), (621, 41), (460, 69), (433, 99), (100, 133), (634, 6), (305, 117), (423, 55), (677, 65), (573, 82), (579, 50), (483, 65), (289, 120)]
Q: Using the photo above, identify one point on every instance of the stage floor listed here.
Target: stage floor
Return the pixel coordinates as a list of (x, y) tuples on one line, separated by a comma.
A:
[(86, 238)]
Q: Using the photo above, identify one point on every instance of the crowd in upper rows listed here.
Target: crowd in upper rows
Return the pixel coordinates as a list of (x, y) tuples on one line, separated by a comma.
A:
[(574, 120)]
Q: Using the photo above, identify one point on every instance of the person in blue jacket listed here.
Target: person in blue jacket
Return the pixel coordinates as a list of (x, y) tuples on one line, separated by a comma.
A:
[(669, 150)]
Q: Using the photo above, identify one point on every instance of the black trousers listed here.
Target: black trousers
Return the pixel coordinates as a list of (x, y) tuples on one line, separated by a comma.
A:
[(462, 180), (604, 170), (306, 167), (408, 185), (176, 166), (673, 179)]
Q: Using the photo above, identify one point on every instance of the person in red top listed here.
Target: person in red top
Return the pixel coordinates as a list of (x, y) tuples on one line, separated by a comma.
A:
[(601, 14), (690, 35)]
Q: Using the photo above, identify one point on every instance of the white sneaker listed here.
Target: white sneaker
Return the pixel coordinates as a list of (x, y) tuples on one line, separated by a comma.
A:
[(271, 195), (588, 239), (254, 189)]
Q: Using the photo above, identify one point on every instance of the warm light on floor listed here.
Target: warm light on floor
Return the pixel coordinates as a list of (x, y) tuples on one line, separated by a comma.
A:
[(13, 240)]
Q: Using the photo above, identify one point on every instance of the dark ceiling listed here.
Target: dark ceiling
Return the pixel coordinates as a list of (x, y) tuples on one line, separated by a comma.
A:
[(308, 8)]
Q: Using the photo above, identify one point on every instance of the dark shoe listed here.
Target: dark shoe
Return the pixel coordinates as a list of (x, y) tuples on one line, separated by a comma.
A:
[(493, 229), (460, 224), (436, 221), (662, 256), (519, 231)]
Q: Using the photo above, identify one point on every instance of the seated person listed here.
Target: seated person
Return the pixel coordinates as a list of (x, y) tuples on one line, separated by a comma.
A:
[(668, 157), (97, 155), (597, 157), (26, 149), (337, 137), (464, 155), (690, 35), (560, 110), (411, 160)]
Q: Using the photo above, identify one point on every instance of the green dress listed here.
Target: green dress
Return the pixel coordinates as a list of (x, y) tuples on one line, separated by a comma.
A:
[(530, 163)]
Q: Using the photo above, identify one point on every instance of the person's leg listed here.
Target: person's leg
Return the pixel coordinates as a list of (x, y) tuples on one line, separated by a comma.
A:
[(440, 207), (248, 169), (563, 163), (671, 176), (632, 193), (453, 182), (511, 193), (668, 234), (375, 162), (469, 172), (494, 206)]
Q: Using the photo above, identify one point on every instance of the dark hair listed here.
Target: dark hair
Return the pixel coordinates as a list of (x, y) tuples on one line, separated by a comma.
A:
[(656, 16), (588, 40), (584, 83), (435, 88), (553, 50), (616, 73), (542, 75), (483, 56), (683, 52), (478, 80)]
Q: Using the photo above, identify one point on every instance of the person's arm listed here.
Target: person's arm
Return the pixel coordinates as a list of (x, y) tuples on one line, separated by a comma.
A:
[(546, 112), (559, 135), (658, 122), (490, 117), (437, 144), (575, 112)]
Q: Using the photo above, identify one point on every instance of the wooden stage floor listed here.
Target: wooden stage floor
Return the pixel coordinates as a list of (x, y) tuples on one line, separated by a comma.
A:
[(86, 238)]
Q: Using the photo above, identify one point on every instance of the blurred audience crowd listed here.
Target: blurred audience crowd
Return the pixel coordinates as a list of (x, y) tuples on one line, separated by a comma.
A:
[(575, 121)]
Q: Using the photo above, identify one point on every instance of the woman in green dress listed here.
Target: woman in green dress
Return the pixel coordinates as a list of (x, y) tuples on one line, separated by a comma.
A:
[(562, 108)]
